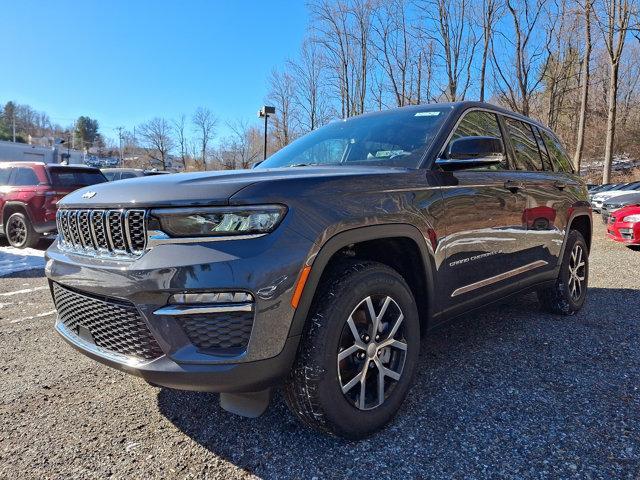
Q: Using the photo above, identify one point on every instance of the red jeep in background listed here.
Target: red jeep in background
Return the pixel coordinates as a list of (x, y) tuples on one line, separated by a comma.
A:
[(29, 194)]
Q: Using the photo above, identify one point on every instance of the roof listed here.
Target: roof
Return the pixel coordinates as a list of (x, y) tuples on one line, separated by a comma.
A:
[(460, 107)]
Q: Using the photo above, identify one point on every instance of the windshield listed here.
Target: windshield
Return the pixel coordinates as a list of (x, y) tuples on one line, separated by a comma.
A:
[(67, 177), (395, 138)]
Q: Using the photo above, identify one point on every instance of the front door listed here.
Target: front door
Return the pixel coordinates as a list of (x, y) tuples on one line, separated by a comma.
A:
[(485, 234)]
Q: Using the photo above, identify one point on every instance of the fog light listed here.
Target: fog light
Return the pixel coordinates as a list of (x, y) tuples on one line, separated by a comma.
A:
[(213, 297)]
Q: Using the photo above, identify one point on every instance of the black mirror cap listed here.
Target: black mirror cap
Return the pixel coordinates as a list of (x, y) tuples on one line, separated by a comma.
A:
[(256, 164), (468, 148)]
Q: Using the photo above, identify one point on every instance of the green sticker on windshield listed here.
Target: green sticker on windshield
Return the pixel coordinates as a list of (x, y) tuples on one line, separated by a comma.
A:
[(427, 114)]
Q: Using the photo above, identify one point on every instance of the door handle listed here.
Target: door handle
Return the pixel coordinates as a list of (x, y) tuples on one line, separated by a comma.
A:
[(513, 186), (559, 185)]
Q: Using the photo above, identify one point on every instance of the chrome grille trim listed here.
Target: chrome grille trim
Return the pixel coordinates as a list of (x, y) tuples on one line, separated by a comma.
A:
[(106, 233)]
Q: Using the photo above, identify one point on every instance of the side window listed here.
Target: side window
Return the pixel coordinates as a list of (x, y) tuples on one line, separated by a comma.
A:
[(24, 177), (124, 175), (5, 173), (111, 176), (559, 157), (525, 145), (478, 123), (546, 161)]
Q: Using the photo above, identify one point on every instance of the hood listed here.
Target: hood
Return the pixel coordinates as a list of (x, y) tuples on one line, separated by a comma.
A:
[(611, 194), (199, 188), (627, 199)]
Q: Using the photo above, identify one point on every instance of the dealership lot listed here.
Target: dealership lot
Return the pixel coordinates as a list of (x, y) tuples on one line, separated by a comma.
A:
[(507, 392)]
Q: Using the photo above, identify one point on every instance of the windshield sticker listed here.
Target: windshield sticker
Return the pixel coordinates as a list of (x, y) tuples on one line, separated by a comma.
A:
[(427, 114)]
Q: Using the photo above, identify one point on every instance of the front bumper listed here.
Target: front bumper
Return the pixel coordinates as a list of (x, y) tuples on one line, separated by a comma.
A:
[(623, 232), (163, 371), (267, 267)]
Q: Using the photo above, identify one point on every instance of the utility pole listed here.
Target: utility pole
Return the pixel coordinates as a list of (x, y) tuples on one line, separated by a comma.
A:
[(120, 129), (13, 125), (264, 112)]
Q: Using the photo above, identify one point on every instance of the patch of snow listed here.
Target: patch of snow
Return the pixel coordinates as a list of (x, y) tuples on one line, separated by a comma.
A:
[(14, 260)]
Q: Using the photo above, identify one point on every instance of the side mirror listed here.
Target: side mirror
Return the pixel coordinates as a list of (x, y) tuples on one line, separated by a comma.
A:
[(256, 163), (472, 152)]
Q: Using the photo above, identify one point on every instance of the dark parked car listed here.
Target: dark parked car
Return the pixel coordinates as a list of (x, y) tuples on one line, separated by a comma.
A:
[(114, 174), (616, 203), (29, 193), (321, 268)]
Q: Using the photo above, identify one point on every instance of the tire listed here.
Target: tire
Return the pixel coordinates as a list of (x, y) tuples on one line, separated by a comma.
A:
[(20, 232), (568, 294), (314, 389)]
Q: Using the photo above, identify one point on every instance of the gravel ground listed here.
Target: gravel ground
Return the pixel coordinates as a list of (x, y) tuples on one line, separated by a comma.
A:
[(507, 392)]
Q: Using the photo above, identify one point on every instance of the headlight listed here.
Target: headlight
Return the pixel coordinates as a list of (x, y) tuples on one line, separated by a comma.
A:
[(216, 221), (632, 218)]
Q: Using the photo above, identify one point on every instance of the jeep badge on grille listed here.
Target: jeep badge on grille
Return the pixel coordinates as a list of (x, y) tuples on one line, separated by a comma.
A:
[(90, 194)]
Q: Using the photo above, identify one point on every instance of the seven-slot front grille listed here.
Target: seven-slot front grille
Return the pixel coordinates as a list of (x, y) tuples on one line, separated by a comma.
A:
[(103, 232), (114, 325)]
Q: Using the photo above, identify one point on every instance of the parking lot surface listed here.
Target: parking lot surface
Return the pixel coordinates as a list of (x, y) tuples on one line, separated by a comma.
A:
[(507, 392)]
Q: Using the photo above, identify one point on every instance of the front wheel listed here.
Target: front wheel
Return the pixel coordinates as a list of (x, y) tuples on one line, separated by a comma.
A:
[(569, 292), (359, 351)]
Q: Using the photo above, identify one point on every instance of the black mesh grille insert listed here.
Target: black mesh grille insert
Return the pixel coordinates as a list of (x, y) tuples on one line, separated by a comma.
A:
[(219, 331), (114, 325)]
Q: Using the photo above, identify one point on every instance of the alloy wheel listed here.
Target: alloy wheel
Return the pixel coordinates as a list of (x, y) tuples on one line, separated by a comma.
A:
[(17, 231), (577, 270), (372, 352)]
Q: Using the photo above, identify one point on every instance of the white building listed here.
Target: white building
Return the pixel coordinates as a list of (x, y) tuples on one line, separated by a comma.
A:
[(23, 152)]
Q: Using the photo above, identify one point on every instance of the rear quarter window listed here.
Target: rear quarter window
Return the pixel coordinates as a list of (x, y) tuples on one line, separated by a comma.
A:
[(559, 158)]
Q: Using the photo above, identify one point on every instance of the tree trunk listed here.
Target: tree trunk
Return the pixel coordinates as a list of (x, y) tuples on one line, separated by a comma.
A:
[(611, 122), (584, 95)]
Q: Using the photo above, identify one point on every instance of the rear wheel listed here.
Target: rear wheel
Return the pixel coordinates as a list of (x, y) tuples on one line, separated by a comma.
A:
[(359, 351), (569, 292), (20, 232)]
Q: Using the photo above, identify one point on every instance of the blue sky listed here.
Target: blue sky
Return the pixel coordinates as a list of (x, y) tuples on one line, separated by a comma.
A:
[(123, 62)]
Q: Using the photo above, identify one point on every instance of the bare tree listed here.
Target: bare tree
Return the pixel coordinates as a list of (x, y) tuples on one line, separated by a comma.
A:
[(612, 18), (448, 24), (490, 11), (281, 95), (342, 28), (204, 123), (156, 135), (517, 79), (179, 128), (307, 73), (585, 6)]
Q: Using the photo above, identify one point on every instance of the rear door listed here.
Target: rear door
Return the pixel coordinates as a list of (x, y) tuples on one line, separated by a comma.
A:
[(548, 183), (485, 235)]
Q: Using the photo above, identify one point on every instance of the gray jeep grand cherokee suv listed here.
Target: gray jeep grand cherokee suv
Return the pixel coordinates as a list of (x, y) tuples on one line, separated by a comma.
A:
[(321, 268)]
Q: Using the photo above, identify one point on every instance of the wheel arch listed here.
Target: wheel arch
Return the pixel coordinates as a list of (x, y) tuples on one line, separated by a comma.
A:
[(12, 207), (405, 234)]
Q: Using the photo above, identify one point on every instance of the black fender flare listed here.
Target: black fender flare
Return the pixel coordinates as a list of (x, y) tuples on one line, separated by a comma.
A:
[(578, 212), (14, 203), (319, 261)]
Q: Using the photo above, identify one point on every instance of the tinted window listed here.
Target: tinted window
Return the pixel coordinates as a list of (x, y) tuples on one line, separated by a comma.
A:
[(24, 177), (480, 124), (559, 157), (546, 160), (72, 178), (524, 144), (111, 176), (4, 176), (397, 138), (124, 175)]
